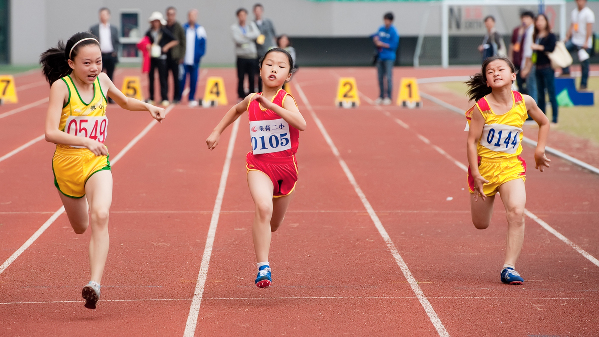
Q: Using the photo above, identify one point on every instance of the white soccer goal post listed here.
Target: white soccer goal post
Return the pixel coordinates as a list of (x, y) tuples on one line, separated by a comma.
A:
[(448, 16)]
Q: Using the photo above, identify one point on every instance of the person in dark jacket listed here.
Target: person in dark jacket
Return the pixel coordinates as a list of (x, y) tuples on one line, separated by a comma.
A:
[(161, 42), (108, 36), (174, 57), (267, 37), (195, 48), (544, 42)]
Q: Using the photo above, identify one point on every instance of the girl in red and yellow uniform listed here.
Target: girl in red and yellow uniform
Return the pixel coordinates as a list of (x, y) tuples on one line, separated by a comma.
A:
[(80, 163), (493, 148), (275, 122)]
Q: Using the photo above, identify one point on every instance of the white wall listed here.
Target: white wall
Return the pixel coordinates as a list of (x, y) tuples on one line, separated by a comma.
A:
[(38, 24)]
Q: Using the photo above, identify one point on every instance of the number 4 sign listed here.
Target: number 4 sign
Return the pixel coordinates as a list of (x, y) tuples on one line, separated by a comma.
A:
[(347, 93), (215, 92), (8, 93), (408, 93)]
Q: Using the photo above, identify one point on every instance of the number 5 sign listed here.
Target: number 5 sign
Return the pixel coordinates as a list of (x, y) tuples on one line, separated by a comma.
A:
[(8, 94), (408, 93), (347, 93), (132, 87)]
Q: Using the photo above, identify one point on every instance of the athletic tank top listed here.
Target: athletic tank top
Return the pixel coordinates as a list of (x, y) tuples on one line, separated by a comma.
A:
[(83, 119), (271, 135), (502, 134)]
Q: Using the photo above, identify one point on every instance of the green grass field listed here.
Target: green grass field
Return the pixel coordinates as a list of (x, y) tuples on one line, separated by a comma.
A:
[(579, 121)]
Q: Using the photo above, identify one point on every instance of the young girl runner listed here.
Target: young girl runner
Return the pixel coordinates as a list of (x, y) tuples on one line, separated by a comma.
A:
[(493, 148), (76, 122), (275, 122)]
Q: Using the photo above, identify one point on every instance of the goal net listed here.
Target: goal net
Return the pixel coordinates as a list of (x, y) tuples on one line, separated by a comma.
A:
[(452, 30)]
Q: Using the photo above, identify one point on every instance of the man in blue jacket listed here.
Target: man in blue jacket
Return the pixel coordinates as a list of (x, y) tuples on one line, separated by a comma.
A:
[(195, 47), (386, 40)]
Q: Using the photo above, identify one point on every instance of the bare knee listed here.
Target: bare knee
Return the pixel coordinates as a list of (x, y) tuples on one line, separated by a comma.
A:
[(264, 210), (480, 224), (100, 216), (515, 216)]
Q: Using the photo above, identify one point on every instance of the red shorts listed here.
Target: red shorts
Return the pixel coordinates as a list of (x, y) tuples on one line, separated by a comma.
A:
[(282, 171)]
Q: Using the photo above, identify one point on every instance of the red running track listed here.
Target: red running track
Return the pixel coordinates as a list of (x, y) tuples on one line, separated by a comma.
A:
[(333, 273)]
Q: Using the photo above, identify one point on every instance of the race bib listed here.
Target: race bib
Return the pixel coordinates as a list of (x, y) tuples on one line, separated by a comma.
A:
[(269, 136), (501, 138), (94, 128)]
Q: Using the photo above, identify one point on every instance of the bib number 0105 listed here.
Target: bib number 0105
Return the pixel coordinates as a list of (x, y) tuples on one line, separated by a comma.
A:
[(269, 136), (95, 128)]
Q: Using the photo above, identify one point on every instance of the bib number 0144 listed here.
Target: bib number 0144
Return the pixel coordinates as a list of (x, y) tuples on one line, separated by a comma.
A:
[(501, 138), (95, 128)]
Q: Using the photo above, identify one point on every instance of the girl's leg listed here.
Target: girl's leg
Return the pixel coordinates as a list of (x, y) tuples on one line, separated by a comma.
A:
[(99, 193), (77, 212), (481, 211), (513, 195), (279, 209), (261, 189)]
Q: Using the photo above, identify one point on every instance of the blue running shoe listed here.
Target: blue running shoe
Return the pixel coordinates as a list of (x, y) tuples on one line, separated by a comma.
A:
[(91, 294), (510, 276), (263, 280)]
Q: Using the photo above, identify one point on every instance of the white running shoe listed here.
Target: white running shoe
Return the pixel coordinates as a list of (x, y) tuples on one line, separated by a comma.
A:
[(378, 101), (387, 101), (193, 104)]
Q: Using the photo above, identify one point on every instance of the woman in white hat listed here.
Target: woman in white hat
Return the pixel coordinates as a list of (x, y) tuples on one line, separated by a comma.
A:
[(161, 41)]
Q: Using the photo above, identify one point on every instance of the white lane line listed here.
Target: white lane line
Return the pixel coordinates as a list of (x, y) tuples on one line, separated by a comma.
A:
[(194, 310), (428, 308), (31, 85), (526, 211), (525, 139), (309, 298), (24, 107), (56, 214), (21, 148)]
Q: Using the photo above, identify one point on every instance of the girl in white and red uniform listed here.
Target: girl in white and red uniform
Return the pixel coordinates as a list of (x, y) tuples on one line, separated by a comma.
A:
[(275, 122)]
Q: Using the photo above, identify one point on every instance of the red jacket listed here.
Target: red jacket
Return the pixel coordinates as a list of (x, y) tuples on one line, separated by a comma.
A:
[(143, 47)]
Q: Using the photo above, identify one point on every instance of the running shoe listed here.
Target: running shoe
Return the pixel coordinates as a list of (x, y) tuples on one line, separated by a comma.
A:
[(91, 294), (263, 280), (510, 276), (387, 101)]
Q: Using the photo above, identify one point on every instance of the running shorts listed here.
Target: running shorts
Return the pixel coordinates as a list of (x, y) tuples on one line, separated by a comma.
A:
[(497, 172), (282, 171), (73, 167)]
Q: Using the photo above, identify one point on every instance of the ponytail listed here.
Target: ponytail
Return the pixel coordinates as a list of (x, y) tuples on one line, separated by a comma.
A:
[(477, 84), (54, 61)]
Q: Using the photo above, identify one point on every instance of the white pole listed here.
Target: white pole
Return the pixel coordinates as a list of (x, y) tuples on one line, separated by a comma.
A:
[(444, 35), (562, 21)]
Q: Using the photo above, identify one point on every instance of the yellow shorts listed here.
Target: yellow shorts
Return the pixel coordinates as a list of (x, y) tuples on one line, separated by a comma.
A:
[(73, 167), (498, 172)]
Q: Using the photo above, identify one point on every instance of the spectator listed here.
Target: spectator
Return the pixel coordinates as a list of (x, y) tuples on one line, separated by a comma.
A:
[(492, 42), (386, 40), (108, 36), (244, 34), (528, 67), (284, 43), (195, 48), (580, 38), (174, 57), (516, 48), (162, 41), (544, 43), (266, 40)]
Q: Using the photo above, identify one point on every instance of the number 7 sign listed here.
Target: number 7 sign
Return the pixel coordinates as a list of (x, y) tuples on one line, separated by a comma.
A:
[(8, 93)]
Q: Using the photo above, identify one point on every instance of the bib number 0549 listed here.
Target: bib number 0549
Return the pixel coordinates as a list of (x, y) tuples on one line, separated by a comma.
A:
[(89, 127)]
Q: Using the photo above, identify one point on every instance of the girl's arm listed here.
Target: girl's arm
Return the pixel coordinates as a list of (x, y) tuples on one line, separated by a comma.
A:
[(230, 117), (541, 161), (129, 103), (289, 112), (59, 93), (477, 122)]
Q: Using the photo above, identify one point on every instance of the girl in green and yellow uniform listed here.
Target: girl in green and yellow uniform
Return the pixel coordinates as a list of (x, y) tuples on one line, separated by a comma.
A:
[(76, 122)]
